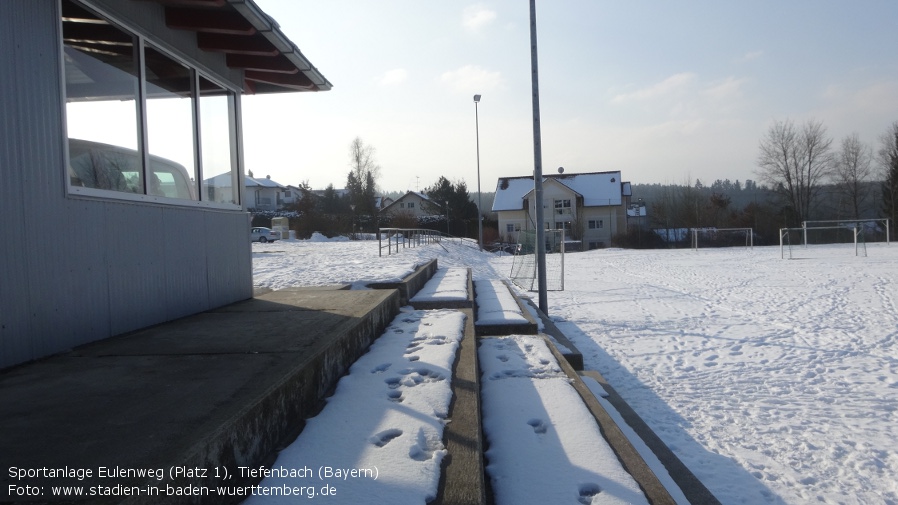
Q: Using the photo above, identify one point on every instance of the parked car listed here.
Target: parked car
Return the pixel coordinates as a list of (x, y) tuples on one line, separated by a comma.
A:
[(116, 168), (261, 234)]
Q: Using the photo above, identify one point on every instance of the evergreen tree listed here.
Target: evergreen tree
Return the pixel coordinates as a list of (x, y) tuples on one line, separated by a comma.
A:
[(461, 208)]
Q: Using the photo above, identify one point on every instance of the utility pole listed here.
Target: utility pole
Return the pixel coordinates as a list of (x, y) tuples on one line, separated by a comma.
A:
[(538, 170)]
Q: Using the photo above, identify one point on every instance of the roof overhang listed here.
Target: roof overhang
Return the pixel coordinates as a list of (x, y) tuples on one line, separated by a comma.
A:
[(251, 41)]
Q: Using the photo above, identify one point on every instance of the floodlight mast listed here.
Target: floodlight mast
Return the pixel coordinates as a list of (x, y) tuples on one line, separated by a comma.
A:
[(538, 170), (479, 210)]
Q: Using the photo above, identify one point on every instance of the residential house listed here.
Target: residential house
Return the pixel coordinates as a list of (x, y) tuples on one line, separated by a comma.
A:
[(413, 204), (101, 150), (264, 194), (590, 207)]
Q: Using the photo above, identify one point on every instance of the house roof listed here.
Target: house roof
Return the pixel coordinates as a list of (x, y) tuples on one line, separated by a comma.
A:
[(262, 182), (224, 181), (597, 188), (422, 196), (250, 40)]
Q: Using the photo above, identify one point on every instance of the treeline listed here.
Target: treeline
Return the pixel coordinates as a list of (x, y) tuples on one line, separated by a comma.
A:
[(736, 204), (804, 176)]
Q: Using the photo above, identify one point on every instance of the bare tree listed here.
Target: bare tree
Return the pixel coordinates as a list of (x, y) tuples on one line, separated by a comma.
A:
[(888, 161), (362, 178), (795, 163), (361, 160), (853, 168)]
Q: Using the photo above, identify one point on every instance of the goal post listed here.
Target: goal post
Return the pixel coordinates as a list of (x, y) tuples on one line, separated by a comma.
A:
[(718, 237), (523, 267), (856, 234), (864, 225)]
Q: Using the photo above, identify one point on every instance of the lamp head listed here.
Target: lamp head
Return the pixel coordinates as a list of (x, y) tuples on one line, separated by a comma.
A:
[(476, 98)]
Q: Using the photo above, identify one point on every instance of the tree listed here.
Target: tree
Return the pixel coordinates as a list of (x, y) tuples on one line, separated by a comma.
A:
[(361, 182), (795, 163), (460, 205), (853, 168), (888, 160)]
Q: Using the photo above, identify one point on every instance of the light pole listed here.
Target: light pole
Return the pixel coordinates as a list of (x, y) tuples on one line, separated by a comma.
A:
[(479, 210), (352, 221), (447, 217)]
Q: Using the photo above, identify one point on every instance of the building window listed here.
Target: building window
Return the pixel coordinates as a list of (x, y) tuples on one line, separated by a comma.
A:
[(411, 205), (596, 224), (401, 205), (512, 227), (563, 207), (133, 117)]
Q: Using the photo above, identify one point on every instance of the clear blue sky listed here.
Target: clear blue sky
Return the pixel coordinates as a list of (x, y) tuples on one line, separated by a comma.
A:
[(662, 91)]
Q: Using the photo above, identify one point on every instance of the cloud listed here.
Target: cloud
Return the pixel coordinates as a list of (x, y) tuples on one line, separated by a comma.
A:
[(472, 79), (477, 16), (751, 56), (672, 84), (393, 77), (725, 90)]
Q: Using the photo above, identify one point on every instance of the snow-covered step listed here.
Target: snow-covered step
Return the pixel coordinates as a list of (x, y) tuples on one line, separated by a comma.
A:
[(449, 288), (381, 433), (498, 311), (545, 445)]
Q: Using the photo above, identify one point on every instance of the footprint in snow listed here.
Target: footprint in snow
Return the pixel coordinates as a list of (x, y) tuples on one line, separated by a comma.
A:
[(588, 492), (385, 437), (538, 425), (425, 448), (381, 368)]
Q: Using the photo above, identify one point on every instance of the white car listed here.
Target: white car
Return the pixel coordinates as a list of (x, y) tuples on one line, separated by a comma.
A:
[(261, 234)]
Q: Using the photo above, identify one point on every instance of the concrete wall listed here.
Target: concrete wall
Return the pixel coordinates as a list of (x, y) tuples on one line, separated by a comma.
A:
[(77, 269)]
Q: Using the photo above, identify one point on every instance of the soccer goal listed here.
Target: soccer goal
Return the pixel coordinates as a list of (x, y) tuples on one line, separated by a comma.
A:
[(855, 232), (722, 237), (523, 267), (795, 241)]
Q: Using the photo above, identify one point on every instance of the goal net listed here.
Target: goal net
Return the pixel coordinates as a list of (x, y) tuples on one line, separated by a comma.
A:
[(722, 237), (820, 235), (523, 267), (816, 241)]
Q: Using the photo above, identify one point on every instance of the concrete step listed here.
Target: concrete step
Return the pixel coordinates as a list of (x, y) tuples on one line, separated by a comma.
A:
[(209, 392)]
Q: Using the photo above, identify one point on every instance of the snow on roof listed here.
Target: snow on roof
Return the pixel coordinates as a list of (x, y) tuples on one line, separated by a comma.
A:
[(510, 192), (415, 193), (597, 188), (262, 182)]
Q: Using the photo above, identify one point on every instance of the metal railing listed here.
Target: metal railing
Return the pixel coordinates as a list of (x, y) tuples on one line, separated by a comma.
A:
[(397, 238)]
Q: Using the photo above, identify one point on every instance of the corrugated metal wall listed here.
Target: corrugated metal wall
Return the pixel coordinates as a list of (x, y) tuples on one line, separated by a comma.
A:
[(77, 270)]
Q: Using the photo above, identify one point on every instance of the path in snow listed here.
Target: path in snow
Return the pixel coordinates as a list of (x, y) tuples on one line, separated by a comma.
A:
[(773, 380)]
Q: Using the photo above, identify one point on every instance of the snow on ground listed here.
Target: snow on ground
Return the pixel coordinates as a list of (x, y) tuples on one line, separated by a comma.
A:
[(775, 381)]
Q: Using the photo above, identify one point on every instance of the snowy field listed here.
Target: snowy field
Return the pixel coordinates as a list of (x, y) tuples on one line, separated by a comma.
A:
[(775, 381)]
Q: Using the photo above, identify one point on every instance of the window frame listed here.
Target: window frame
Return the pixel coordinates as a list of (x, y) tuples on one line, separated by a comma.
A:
[(142, 41)]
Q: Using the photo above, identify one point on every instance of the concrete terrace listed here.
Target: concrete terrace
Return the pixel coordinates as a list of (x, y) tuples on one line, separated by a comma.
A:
[(202, 395)]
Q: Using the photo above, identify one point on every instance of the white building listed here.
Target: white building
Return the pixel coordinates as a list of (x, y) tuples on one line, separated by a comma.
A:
[(112, 112), (590, 207)]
